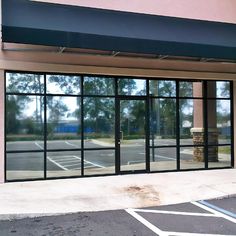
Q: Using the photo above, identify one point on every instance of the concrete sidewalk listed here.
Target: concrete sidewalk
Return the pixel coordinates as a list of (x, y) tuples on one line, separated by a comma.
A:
[(50, 197)]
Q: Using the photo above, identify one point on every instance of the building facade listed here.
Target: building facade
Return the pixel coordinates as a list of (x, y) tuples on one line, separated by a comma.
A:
[(96, 88)]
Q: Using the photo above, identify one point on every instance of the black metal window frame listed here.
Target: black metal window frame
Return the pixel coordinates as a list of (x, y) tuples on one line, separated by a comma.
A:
[(117, 97)]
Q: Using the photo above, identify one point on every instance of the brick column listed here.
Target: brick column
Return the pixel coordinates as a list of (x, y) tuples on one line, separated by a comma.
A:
[(198, 130), (2, 140), (198, 126)]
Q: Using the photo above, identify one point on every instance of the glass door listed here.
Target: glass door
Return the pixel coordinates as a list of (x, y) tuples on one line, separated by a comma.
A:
[(132, 135)]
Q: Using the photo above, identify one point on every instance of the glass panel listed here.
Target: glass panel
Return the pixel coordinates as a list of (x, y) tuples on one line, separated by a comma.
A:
[(99, 122), (190, 89), (163, 159), (24, 83), (185, 89), (24, 165), (99, 86), (132, 87), (63, 123), (24, 122), (132, 131), (192, 158), (162, 122), (162, 88), (219, 156), (186, 121), (219, 123), (99, 162), (63, 84), (61, 164), (218, 89)]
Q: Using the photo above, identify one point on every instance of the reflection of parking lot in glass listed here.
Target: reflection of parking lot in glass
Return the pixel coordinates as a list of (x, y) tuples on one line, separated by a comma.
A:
[(98, 161)]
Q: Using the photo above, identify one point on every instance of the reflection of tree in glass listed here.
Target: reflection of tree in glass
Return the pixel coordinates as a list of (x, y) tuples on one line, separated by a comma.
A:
[(99, 115), (186, 89), (56, 110), (13, 111), (21, 118), (132, 118), (127, 86), (25, 83), (163, 88), (163, 110), (99, 86), (67, 84), (224, 89), (167, 118), (28, 83)]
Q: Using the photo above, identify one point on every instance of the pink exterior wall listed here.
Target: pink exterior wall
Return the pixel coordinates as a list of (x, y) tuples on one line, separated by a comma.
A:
[(213, 10)]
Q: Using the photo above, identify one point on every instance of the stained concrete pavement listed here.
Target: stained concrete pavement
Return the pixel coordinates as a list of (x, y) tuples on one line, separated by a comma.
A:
[(51, 197)]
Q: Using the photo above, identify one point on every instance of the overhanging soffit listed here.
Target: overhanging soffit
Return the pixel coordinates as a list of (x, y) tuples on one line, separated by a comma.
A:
[(29, 22)]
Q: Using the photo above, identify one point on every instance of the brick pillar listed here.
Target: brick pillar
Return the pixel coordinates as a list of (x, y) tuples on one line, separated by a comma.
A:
[(2, 140), (198, 139), (198, 130), (198, 126)]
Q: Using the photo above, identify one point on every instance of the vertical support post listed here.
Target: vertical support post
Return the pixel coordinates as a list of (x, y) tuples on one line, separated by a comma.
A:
[(234, 122), (2, 127)]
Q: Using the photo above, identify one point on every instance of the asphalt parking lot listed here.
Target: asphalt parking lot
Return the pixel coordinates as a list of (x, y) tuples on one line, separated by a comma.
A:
[(209, 218)]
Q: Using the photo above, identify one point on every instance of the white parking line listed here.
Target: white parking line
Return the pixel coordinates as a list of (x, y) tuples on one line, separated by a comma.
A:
[(38, 145), (175, 213), (71, 144), (164, 157), (155, 229), (57, 164), (146, 223), (194, 234), (70, 161), (217, 213), (134, 162)]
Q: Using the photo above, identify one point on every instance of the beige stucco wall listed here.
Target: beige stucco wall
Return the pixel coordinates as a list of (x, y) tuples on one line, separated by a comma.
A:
[(54, 61), (213, 10)]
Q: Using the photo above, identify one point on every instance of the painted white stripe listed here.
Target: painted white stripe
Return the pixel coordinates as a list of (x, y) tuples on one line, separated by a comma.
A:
[(57, 164), (217, 213), (194, 234), (135, 162), (175, 213), (61, 162), (38, 145), (152, 227), (66, 166), (229, 213), (68, 161), (71, 144), (94, 164), (163, 157), (60, 158)]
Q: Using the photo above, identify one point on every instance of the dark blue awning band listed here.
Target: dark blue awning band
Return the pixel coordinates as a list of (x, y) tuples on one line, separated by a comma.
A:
[(30, 22)]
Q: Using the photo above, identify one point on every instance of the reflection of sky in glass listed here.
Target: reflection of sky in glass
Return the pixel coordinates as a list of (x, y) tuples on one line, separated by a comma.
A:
[(71, 104), (221, 91), (29, 83), (63, 84), (139, 87)]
